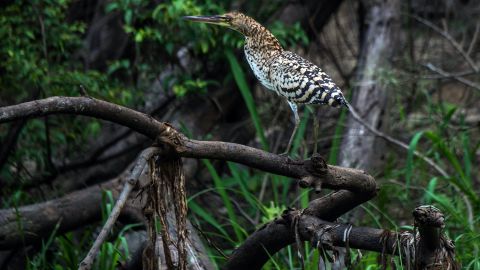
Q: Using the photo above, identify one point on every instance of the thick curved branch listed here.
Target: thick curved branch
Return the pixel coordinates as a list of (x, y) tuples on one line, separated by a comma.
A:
[(428, 248), (262, 244), (87, 106), (312, 173)]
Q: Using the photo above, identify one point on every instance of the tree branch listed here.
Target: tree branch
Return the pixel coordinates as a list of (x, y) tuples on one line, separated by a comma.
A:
[(327, 234), (449, 38), (445, 75), (137, 121), (312, 173), (274, 236)]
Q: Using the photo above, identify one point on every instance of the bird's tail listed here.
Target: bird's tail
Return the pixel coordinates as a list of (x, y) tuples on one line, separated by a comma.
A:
[(346, 104)]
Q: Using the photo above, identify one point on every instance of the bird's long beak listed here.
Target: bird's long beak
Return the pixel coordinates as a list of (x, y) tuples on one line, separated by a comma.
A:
[(215, 19)]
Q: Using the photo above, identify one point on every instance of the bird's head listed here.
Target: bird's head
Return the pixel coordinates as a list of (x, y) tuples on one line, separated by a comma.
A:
[(233, 20)]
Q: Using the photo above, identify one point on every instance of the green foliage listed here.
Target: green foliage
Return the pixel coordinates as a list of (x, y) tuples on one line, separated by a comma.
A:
[(289, 36), (67, 250), (38, 53), (239, 232), (455, 195), (186, 86), (161, 31)]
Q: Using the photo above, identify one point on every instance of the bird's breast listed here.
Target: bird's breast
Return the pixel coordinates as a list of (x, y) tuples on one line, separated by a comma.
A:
[(259, 63)]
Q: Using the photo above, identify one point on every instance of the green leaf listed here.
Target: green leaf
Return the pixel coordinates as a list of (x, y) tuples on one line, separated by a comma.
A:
[(195, 208), (111, 7), (128, 16), (411, 150), (220, 188), (432, 184)]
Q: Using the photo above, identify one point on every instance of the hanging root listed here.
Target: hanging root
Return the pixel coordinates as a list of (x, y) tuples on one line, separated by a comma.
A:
[(322, 240), (346, 240), (166, 197), (298, 242), (424, 248), (433, 249)]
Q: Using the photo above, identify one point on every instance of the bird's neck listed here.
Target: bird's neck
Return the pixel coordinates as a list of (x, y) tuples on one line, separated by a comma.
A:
[(260, 39)]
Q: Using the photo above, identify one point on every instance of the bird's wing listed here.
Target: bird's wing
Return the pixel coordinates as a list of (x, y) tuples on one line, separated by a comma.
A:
[(301, 81)]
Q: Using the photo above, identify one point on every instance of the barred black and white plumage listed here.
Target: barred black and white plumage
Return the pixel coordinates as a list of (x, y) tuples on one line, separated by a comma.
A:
[(284, 72), (302, 82)]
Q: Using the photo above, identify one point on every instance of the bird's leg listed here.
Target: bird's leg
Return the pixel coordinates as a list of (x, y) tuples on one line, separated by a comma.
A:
[(294, 108), (316, 127)]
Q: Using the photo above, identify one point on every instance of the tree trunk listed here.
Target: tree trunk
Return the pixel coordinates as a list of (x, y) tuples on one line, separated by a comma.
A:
[(360, 148)]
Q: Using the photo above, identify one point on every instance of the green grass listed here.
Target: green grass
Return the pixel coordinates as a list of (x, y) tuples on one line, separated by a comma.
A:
[(65, 251)]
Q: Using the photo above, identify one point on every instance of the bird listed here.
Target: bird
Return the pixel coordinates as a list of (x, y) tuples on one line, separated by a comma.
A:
[(284, 72)]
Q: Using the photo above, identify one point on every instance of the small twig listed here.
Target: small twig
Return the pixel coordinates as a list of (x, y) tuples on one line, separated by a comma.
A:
[(449, 75), (242, 212), (263, 188), (474, 38), (449, 38), (137, 170), (83, 91), (298, 242), (390, 139), (209, 241), (51, 166)]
